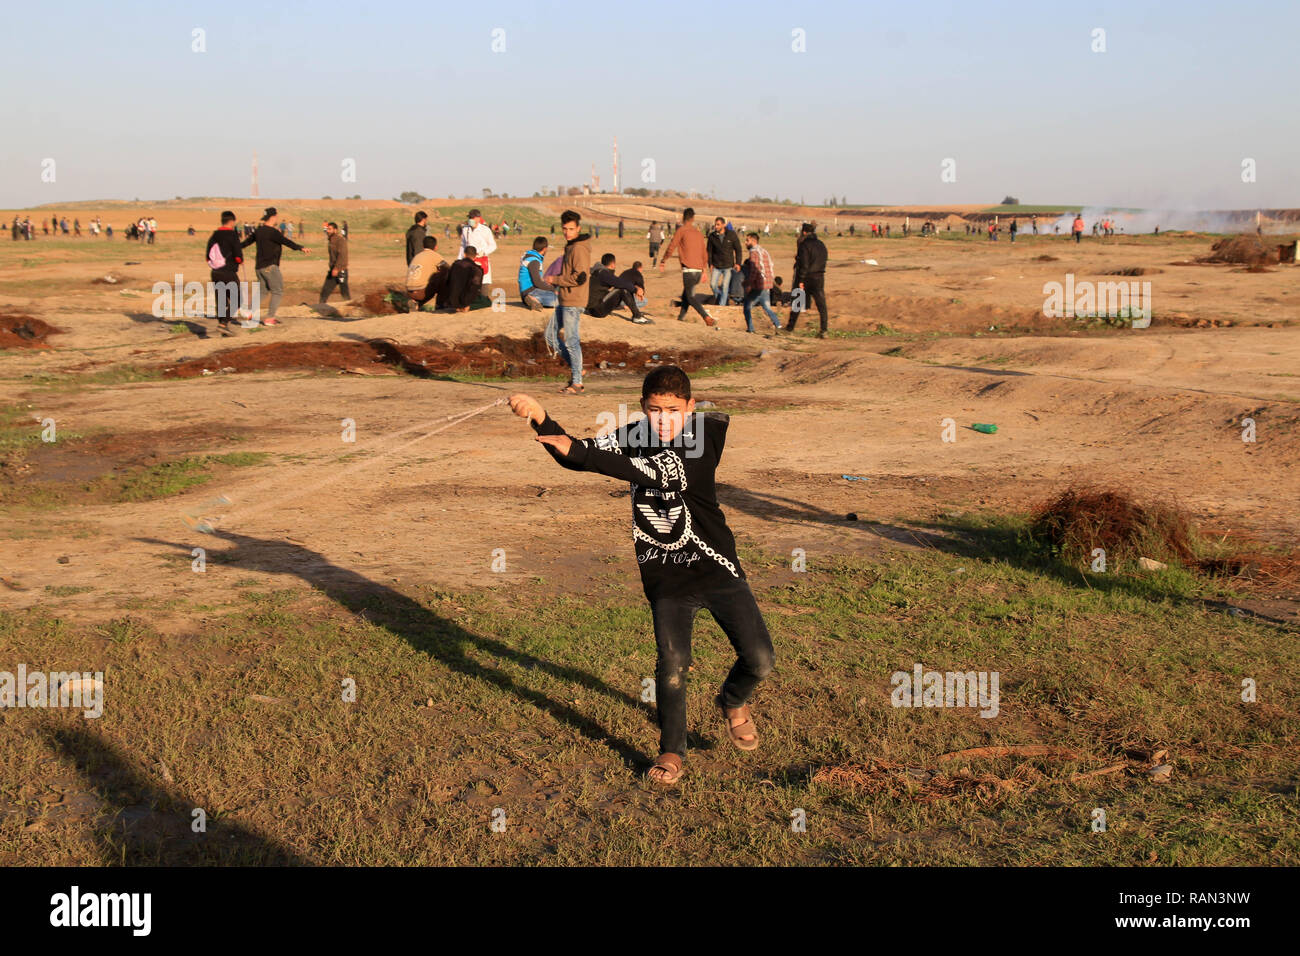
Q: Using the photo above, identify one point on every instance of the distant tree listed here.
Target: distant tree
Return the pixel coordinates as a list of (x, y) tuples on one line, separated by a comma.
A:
[(410, 197), (487, 193), (326, 197), (1010, 201)]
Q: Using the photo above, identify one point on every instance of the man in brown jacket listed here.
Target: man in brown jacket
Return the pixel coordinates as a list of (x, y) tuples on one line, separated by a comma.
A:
[(338, 274), (693, 253), (571, 285)]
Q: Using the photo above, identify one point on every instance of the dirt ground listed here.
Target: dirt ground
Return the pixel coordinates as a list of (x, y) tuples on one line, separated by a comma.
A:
[(944, 328)]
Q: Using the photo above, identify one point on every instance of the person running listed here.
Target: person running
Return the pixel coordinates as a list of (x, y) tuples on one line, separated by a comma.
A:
[(570, 281), (607, 290), (223, 255), (655, 235), (478, 234), (725, 257), (415, 236), (686, 552), (337, 277), (1077, 228), (537, 294), (810, 276), (270, 243), (426, 274), (758, 283), (692, 252)]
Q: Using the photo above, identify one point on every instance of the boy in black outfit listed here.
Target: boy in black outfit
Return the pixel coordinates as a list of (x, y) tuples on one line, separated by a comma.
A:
[(683, 545), (223, 255)]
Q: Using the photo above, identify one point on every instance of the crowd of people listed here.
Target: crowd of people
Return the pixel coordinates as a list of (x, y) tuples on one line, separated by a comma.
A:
[(578, 282)]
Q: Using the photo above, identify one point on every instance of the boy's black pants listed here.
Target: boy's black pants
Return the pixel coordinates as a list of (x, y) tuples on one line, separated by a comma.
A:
[(733, 606)]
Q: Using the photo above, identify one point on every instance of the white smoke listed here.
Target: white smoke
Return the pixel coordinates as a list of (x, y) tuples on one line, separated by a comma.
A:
[(1133, 222)]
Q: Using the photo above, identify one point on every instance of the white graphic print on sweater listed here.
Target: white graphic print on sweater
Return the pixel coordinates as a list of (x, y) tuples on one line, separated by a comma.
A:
[(661, 519)]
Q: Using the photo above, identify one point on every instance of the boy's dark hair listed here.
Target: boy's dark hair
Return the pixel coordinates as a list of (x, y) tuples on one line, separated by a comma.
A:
[(540, 243), (420, 217), (227, 216), (334, 225), (607, 259), (470, 252), (752, 235), (778, 280), (688, 214), (473, 214), (808, 228), (569, 216), (430, 242), (637, 264), (666, 380)]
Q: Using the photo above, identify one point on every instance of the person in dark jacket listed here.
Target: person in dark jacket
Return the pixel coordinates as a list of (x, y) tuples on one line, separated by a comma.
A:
[(270, 243), (223, 259), (810, 277), (464, 283), (415, 236), (606, 291), (725, 257), (337, 278)]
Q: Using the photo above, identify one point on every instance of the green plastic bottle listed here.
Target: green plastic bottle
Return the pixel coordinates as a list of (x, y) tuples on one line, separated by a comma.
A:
[(986, 429)]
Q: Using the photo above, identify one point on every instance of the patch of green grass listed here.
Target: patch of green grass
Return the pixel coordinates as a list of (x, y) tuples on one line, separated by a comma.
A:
[(519, 699), (172, 477)]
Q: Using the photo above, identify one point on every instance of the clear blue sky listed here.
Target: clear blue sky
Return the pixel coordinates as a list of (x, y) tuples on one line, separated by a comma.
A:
[(712, 91)]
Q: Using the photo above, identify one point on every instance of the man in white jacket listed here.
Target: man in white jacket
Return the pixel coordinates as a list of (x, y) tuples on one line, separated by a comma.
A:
[(479, 235)]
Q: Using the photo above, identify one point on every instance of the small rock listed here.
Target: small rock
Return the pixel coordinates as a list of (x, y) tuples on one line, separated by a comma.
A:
[(1161, 773), (429, 702), (851, 516), (65, 560), (1147, 564)]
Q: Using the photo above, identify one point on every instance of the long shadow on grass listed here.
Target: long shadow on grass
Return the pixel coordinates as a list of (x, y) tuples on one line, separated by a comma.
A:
[(427, 632), (152, 823), (976, 542)]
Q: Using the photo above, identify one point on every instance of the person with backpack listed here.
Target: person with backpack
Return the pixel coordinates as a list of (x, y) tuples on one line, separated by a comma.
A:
[(223, 254)]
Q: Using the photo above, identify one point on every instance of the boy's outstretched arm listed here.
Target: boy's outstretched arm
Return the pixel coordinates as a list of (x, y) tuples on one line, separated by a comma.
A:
[(525, 406)]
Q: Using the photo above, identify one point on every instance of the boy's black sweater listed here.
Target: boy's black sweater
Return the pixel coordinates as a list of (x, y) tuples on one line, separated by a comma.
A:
[(227, 240), (682, 540)]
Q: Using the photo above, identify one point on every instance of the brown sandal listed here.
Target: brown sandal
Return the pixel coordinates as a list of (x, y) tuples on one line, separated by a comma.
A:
[(738, 732), (572, 389), (670, 767)]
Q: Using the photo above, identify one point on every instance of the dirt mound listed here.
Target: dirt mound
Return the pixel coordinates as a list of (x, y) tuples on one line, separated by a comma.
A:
[(1242, 250), (495, 355), (1080, 520), (24, 332)]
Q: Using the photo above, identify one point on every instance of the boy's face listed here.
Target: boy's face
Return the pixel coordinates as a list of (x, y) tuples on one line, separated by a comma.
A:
[(570, 230), (667, 414)]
